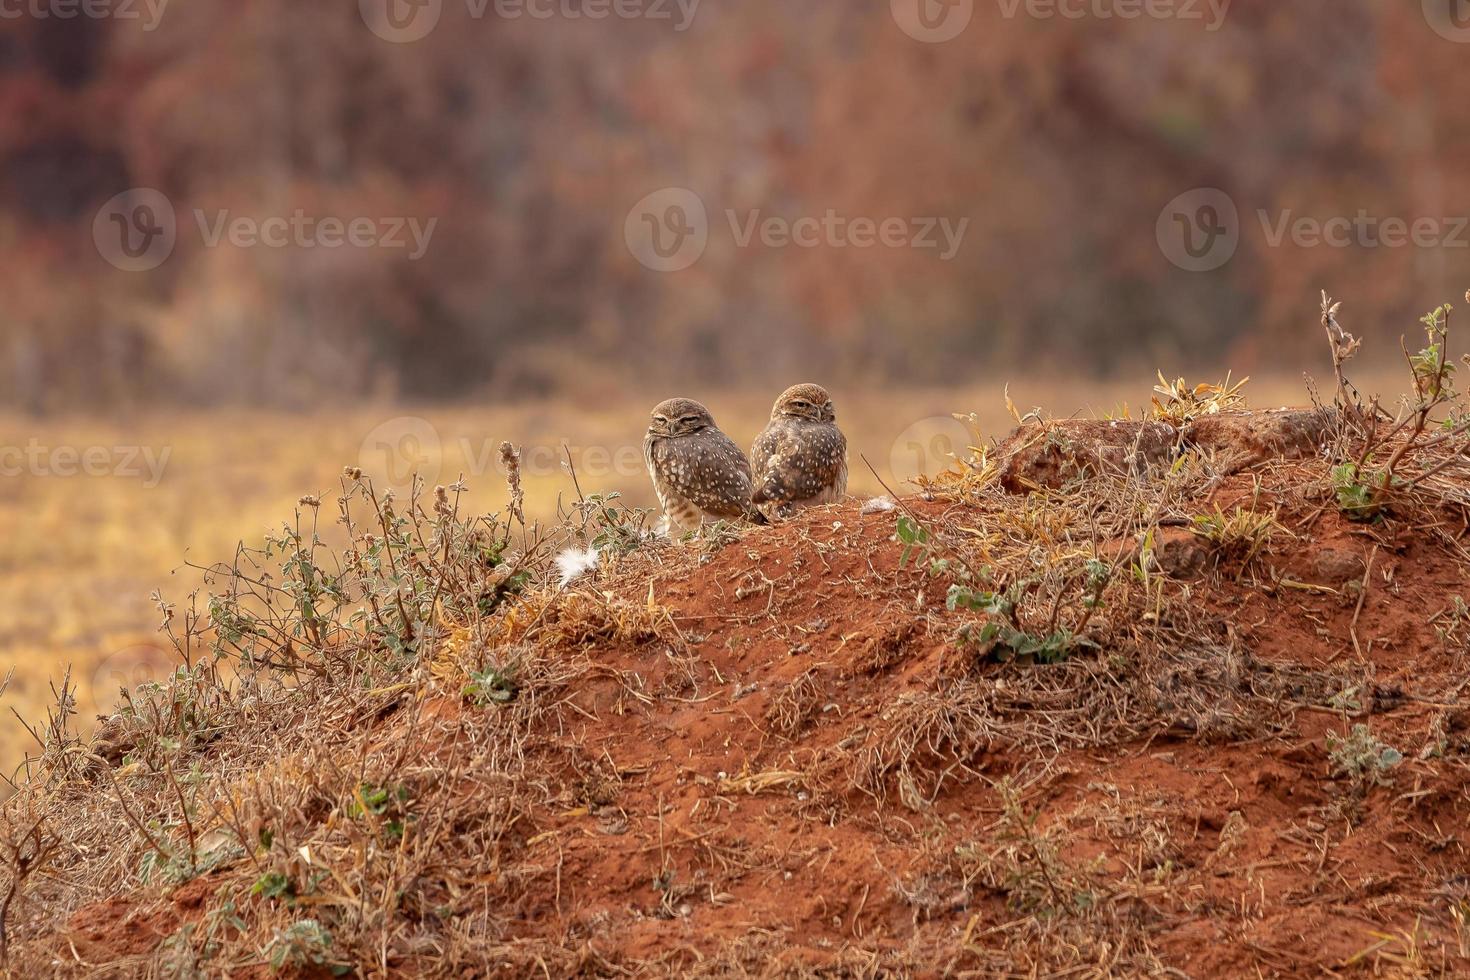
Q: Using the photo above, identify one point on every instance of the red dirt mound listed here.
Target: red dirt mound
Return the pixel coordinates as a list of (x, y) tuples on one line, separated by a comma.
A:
[(826, 748)]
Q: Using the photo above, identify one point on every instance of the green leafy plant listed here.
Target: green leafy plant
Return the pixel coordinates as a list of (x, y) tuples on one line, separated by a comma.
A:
[(615, 527), (303, 944), (275, 886), (387, 805), (410, 567), (1006, 637), (1357, 492), (915, 539), (991, 603), (1433, 373), (1364, 487), (175, 862), (197, 943), (492, 685), (1003, 644)]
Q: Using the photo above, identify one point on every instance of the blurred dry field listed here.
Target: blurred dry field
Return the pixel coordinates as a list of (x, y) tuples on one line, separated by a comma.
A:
[(82, 552)]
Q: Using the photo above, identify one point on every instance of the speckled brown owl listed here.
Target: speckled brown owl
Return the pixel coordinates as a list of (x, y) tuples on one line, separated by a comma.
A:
[(700, 475), (800, 459)]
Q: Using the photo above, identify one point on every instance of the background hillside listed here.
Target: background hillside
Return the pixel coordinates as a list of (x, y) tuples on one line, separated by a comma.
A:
[(528, 140)]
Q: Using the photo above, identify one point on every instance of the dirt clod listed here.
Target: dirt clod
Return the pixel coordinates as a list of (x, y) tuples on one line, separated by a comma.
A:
[(1051, 454)]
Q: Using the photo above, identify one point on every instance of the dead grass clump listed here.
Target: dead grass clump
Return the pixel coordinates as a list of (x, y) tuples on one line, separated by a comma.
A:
[(920, 740), (26, 848), (1156, 678), (882, 649), (795, 704), (1110, 942), (1023, 862), (345, 745), (1237, 538), (1179, 402), (584, 619)]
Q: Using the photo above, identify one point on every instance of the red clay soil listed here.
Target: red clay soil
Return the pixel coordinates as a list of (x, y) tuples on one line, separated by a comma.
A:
[(725, 824), (1273, 887)]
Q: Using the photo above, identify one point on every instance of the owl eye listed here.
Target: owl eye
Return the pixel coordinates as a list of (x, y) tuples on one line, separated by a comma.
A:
[(689, 420), (661, 420), (801, 404)]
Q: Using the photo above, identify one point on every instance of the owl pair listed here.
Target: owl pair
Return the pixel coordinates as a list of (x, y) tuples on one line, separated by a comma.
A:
[(799, 461)]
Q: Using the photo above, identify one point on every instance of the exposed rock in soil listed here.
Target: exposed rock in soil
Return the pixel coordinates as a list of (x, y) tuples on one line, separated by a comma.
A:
[(1049, 455), (1180, 554), (1336, 566), (1241, 439)]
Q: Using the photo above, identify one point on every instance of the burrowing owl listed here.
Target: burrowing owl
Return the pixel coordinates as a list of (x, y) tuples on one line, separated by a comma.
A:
[(801, 459), (699, 474)]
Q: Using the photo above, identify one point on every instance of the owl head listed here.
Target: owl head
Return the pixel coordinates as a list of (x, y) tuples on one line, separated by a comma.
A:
[(679, 417), (805, 401)]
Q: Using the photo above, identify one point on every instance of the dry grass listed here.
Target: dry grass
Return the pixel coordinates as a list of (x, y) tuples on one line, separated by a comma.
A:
[(83, 554), (399, 744)]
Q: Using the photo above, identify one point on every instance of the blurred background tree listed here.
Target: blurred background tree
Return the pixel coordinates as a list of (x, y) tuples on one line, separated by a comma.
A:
[(529, 139)]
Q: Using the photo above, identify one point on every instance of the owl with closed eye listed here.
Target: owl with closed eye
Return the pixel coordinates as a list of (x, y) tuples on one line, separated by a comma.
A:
[(700, 475), (800, 460)]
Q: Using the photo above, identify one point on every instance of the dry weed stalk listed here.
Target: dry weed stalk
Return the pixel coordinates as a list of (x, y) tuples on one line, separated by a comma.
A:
[(1343, 347), (27, 845), (796, 703), (1413, 459)]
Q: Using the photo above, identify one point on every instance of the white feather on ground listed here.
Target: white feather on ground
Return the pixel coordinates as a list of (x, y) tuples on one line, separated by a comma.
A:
[(879, 505), (574, 562)]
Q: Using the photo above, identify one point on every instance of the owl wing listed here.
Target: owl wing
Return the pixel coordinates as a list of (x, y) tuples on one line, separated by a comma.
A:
[(718, 479), (794, 463)]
